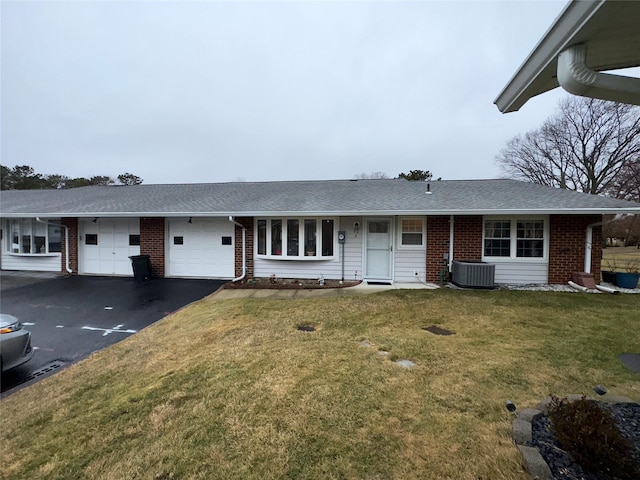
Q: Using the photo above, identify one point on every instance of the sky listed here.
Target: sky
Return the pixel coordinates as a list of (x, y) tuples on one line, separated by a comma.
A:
[(213, 91)]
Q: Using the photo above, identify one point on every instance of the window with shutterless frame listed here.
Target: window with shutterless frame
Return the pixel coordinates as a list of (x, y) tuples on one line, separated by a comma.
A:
[(515, 237), (295, 238)]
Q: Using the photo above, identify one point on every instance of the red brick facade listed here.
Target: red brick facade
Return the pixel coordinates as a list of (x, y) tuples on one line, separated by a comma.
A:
[(72, 226), (567, 236), (467, 236), (247, 222), (437, 246), (152, 244)]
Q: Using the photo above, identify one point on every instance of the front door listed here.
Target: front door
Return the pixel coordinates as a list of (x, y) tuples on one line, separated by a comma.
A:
[(379, 250)]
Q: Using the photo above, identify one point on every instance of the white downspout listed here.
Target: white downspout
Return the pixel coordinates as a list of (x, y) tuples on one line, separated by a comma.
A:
[(66, 241), (244, 249), (451, 225), (588, 243), (577, 78), (589, 240)]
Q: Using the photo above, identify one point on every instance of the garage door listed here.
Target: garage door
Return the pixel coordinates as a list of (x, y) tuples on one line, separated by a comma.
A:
[(107, 244), (203, 248)]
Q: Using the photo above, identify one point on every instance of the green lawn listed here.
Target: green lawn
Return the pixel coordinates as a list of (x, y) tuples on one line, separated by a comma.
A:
[(231, 390)]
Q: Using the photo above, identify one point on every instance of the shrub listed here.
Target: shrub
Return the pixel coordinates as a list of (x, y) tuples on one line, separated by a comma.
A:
[(590, 434)]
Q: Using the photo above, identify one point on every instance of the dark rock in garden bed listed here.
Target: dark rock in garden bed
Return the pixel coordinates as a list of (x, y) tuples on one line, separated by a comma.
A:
[(561, 463)]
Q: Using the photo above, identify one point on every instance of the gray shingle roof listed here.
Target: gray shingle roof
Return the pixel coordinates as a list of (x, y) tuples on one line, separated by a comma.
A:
[(331, 197)]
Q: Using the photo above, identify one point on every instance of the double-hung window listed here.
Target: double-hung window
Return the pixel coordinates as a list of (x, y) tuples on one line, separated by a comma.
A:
[(412, 233), (514, 238), (295, 238), (26, 236)]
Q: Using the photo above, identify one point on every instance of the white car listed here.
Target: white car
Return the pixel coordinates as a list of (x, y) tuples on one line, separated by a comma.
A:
[(15, 343)]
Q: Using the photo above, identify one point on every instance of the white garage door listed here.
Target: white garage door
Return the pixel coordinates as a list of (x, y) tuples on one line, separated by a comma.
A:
[(107, 244), (203, 248)]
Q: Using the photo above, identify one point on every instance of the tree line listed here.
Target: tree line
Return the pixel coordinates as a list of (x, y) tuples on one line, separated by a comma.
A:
[(24, 177)]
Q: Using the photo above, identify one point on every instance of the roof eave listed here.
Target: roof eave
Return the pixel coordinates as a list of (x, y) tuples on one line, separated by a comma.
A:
[(531, 79), (354, 213)]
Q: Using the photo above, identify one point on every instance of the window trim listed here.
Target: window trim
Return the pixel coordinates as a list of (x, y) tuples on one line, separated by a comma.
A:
[(301, 257), (423, 245), (8, 244), (513, 237)]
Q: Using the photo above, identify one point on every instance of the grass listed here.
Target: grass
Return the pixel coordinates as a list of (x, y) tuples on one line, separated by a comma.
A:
[(621, 259), (230, 389)]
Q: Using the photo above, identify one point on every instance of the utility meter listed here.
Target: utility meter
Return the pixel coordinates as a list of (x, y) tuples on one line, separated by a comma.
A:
[(341, 236)]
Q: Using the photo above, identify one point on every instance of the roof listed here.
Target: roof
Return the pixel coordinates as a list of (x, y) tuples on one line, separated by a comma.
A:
[(608, 28), (302, 198)]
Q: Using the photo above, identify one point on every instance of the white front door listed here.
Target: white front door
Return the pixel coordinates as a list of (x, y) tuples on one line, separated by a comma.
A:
[(107, 244), (379, 250)]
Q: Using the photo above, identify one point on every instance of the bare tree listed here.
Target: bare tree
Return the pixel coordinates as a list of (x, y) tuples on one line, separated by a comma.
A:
[(587, 146), (371, 176), (627, 183)]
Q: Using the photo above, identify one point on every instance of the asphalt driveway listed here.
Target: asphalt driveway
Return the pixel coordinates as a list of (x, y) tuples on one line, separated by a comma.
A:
[(71, 317)]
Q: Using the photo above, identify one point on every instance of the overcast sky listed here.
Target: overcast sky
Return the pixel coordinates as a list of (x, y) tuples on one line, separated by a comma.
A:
[(213, 91)]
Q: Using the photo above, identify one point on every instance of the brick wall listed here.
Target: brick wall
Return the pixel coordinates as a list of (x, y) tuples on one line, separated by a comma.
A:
[(437, 246), (467, 238), (152, 244), (247, 222), (567, 235), (72, 225)]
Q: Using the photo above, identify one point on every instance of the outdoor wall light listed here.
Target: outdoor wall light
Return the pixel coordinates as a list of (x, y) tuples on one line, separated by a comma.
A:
[(190, 220), (356, 228), (95, 220)]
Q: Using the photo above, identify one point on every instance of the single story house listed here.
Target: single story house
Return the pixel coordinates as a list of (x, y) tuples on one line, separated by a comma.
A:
[(372, 230)]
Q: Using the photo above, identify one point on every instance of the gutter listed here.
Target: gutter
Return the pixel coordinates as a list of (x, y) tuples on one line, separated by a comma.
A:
[(577, 78), (66, 241), (244, 249)]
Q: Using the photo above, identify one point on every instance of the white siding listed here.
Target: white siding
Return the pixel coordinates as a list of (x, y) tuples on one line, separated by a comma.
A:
[(35, 263), (521, 272), (409, 259), (330, 269), (406, 262)]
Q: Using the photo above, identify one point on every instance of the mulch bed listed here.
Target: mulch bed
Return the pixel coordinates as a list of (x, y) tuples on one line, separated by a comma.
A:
[(289, 284)]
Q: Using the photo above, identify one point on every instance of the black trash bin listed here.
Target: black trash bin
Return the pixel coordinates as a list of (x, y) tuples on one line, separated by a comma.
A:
[(141, 267)]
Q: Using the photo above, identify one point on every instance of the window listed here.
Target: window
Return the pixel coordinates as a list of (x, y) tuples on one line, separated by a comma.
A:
[(295, 238), (497, 238), (293, 233), (91, 239), (411, 232), (262, 237), (529, 238), (514, 238), (310, 237), (28, 236), (276, 237), (327, 238)]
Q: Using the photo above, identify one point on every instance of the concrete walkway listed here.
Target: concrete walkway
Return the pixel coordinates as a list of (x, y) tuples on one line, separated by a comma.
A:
[(362, 288)]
